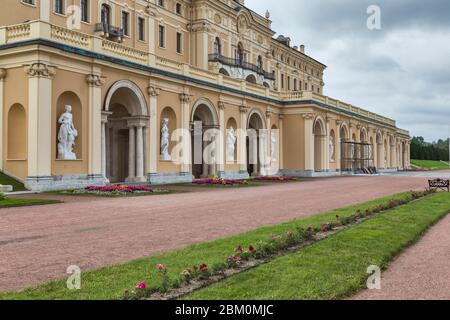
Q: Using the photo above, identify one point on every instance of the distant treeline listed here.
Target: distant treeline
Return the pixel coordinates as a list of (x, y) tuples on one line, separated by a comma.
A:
[(421, 150)]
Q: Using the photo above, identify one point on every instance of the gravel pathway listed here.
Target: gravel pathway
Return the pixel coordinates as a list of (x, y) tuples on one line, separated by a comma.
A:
[(37, 244), (422, 272)]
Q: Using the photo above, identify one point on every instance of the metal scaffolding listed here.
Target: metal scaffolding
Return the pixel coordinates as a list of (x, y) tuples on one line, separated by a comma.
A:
[(357, 157)]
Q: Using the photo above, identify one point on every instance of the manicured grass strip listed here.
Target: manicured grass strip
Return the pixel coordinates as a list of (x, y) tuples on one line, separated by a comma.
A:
[(335, 267), (429, 164), (12, 202), (109, 282), (6, 180)]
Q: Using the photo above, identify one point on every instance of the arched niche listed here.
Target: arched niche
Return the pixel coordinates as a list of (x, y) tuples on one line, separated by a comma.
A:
[(72, 99), (17, 133)]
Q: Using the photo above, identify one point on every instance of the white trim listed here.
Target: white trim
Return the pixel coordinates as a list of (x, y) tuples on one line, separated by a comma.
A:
[(134, 88)]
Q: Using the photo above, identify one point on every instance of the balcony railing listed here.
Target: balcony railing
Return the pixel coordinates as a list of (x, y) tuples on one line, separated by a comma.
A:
[(109, 30), (215, 57)]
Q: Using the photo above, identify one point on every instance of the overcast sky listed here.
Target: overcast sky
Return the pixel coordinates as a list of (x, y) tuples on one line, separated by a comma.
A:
[(401, 71)]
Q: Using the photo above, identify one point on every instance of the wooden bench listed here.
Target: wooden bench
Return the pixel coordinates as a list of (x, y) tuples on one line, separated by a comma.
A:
[(439, 184)]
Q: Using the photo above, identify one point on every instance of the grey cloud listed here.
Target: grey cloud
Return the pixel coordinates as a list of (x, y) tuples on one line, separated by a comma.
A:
[(401, 71)]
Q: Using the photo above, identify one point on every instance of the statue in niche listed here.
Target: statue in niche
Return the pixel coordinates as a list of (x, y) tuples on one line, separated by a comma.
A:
[(273, 144), (165, 136), (231, 142), (331, 147), (67, 135)]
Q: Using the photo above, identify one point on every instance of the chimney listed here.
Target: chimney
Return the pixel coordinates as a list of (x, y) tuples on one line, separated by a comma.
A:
[(302, 48)]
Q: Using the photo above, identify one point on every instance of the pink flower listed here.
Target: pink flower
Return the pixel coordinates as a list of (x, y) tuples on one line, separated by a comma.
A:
[(238, 261), (161, 267), (141, 285)]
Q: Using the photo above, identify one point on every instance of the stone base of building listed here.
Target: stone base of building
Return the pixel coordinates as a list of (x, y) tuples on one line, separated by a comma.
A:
[(234, 175), (55, 183), (169, 178), (309, 173)]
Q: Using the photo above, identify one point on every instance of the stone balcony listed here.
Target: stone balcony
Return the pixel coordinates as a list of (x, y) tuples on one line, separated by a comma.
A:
[(240, 70)]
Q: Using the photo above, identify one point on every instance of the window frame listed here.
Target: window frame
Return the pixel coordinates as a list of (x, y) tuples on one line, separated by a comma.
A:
[(127, 13), (162, 40), (144, 33), (88, 11), (63, 7), (179, 45)]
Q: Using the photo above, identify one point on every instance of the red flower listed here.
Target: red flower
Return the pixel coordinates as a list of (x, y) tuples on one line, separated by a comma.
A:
[(310, 228), (251, 249), (239, 249), (324, 227), (290, 234), (203, 268), (161, 267)]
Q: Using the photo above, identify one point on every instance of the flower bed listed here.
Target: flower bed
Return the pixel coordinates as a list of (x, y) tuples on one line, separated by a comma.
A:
[(219, 181), (201, 275), (275, 178), (116, 190)]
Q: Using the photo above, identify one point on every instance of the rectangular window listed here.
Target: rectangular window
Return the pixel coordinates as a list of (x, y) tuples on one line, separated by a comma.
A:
[(161, 37), (59, 6), (84, 6), (179, 42), (125, 23), (289, 83), (161, 3), (178, 8), (141, 28), (28, 2), (282, 81)]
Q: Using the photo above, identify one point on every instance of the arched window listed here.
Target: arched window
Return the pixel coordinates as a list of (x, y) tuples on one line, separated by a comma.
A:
[(240, 54), (217, 47), (106, 15), (260, 63)]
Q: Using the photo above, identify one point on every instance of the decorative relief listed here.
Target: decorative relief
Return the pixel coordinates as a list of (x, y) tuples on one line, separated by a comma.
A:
[(217, 18), (244, 109), (221, 105), (308, 116), (165, 136), (154, 91), (39, 69), (185, 98), (95, 80)]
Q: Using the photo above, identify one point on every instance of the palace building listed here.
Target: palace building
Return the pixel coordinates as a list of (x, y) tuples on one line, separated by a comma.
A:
[(91, 92)]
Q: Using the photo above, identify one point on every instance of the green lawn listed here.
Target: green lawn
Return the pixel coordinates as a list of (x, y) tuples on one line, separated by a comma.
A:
[(335, 267), (12, 202), (6, 180), (109, 282), (429, 164)]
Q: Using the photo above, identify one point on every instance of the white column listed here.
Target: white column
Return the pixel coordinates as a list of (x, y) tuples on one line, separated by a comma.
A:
[(95, 130), (281, 148), (132, 154), (223, 135), (337, 145), (45, 10), (2, 107), (153, 155), (242, 140), (185, 99), (326, 149), (39, 119), (140, 153), (151, 40), (104, 149), (309, 142)]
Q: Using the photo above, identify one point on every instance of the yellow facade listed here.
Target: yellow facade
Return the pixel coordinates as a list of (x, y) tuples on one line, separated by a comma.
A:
[(132, 64)]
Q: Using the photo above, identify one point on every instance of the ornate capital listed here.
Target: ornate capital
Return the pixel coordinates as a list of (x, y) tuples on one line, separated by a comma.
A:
[(221, 105), (153, 91), (185, 98), (339, 122), (2, 74), (308, 116), (269, 114), (40, 69), (244, 109), (95, 80), (281, 117)]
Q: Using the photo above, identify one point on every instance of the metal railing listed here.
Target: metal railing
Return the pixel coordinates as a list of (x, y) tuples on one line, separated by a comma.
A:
[(215, 57), (109, 29)]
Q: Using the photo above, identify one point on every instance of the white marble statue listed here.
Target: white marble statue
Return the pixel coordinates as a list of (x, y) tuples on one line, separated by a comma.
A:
[(273, 144), (67, 135), (231, 142), (165, 136), (331, 147)]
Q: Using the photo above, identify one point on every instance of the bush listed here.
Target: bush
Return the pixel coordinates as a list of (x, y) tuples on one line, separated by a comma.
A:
[(2, 196)]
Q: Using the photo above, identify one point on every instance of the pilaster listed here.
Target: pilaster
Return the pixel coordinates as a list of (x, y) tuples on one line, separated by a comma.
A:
[(2, 107), (152, 133), (309, 141)]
